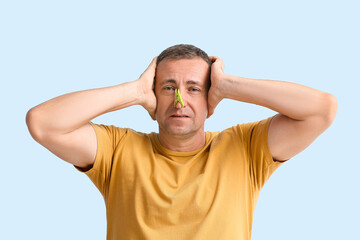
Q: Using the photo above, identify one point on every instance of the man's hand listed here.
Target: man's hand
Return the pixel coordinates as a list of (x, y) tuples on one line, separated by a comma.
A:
[(146, 89), (214, 94)]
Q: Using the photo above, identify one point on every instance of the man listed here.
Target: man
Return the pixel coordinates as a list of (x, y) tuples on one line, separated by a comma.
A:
[(182, 183)]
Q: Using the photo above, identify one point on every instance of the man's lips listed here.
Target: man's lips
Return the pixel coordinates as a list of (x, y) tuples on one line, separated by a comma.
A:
[(179, 116)]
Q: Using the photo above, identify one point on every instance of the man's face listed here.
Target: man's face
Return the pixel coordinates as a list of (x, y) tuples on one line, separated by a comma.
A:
[(191, 77)]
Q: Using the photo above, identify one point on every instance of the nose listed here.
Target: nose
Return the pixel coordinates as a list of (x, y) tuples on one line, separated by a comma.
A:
[(178, 105)]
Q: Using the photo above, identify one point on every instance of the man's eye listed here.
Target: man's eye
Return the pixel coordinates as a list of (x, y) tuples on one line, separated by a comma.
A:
[(169, 88), (194, 89)]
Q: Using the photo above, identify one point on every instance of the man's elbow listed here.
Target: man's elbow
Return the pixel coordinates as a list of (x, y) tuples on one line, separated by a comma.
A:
[(31, 122), (331, 106)]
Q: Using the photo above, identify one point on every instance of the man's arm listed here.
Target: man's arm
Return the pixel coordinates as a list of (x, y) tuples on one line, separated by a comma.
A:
[(304, 113), (62, 124)]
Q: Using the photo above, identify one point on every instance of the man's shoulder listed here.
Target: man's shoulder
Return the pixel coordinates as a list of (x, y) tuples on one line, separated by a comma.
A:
[(241, 129), (117, 131)]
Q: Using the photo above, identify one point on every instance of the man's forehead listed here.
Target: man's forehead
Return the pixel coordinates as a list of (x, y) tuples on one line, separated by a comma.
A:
[(196, 66), (196, 62)]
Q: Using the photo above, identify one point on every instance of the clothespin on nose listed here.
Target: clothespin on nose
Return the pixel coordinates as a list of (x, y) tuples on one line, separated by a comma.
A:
[(178, 98)]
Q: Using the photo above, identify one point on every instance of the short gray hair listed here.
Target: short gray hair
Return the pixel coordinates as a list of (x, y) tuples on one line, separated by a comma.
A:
[(183, 51)]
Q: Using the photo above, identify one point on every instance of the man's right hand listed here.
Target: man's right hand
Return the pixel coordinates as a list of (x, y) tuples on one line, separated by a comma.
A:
[(146, 89)]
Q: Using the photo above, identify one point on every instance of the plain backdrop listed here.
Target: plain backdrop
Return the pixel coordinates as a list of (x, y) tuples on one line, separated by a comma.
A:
[(50, 48)]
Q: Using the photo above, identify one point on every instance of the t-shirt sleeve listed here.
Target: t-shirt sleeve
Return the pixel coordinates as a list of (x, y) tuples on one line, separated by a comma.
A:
[(108, 138), (255, 140)]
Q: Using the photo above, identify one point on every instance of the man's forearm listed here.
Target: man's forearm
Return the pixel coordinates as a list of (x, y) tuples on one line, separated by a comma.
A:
[(293, 100), (68, 112)]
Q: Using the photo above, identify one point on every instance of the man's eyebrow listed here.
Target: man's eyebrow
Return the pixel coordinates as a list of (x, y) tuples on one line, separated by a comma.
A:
[(192, 82), (168, 81), (189, 82)]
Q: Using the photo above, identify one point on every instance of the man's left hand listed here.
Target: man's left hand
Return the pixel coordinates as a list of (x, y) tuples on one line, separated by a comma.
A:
[(214, 94)]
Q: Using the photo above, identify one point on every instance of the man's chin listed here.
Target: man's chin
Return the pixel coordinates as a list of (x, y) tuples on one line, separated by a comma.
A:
[(179, 131)]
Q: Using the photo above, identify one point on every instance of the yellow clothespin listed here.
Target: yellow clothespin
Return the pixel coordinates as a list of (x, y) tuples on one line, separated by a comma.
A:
[(178, 98)]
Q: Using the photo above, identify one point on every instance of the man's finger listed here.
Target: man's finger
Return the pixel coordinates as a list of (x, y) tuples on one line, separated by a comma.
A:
[(153, 63), (213, 58)]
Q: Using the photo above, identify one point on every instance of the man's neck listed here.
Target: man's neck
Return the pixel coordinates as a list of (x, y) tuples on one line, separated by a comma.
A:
[(182, 143)]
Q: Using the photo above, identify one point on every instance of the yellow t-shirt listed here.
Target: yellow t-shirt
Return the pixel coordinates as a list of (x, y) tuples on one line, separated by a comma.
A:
[(154, 193)]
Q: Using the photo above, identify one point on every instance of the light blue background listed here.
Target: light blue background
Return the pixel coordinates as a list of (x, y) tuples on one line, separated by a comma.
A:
[(49, 48)]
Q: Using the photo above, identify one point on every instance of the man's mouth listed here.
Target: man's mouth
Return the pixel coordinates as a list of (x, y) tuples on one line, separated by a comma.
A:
[(179, 116)]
